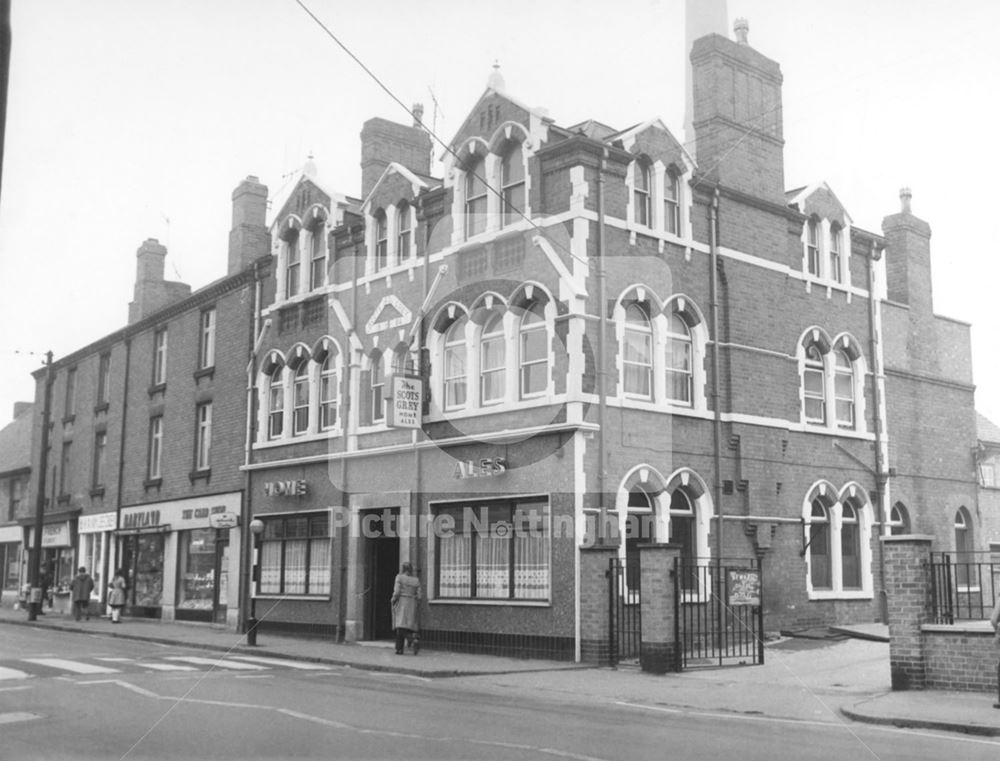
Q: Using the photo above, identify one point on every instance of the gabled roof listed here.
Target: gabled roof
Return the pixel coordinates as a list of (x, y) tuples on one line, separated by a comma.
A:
[(541, 113), (412, 177), (593, 129), (654, 123), (15, 442), (987, 430), (306, 174), (798, 197)]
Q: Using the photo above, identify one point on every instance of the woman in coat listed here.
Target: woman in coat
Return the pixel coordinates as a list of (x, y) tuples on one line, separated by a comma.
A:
[(116, 596), (405, 596)]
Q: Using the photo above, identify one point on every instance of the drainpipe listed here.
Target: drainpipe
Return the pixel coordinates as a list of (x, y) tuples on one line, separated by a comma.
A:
[(881, 476), (713, 225), (35, 569), (602, 402), (121, 455)]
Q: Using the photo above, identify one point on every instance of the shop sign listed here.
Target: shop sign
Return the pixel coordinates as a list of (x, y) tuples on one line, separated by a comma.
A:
[(224, 520), (406, 401), (484, 468), (201, 513), (743, 586), (91, 524), (53, 535), (143, 519), (285, 488)]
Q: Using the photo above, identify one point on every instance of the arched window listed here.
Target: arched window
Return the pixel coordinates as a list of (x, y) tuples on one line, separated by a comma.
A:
[(276, 403), (492, 360), (637, 354), (381, 240), (640, 528), (640, 193), (475, 197), (512, 185), (683, 532), (300, 399), (899, 520), (317, 268), (850, 547), (836, 268), (819, 546), (377, 388), (293, 264), (843, 389), (404, 230), (679, 366), (533, 351), (671, 203), (329, 392), (964, 547), (812, 246), (814, 385), (455, 366)]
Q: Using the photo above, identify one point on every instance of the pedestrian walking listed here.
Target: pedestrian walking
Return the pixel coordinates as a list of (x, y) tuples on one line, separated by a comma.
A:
[(80, 589), (116, 596), (405, 596), (45, 582)]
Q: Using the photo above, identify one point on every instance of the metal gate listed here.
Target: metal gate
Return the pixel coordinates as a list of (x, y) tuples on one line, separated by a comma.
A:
[(625, 615), (718, 612)]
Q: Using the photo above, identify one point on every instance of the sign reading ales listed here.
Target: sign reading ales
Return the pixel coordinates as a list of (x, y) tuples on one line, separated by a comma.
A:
[(406, 401)]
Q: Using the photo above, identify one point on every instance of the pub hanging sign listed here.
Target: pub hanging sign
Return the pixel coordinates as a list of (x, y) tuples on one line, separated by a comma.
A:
[(406, 401)]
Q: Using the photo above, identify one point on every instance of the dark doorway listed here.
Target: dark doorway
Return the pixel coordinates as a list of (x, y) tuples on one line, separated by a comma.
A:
[(381, 567), (220, 601)]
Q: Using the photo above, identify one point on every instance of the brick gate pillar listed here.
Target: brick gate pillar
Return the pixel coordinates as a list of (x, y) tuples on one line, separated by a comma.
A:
[(908, 592), (595, 616), (658, 649)]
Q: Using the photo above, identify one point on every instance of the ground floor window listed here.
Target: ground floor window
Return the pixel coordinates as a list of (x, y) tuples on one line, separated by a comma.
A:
[(196, 590), (91, 548), (143, 564), (295, 552), (10, 564), (496, 550)]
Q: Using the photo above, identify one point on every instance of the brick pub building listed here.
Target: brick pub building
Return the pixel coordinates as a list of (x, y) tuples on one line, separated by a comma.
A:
[(617, 340)]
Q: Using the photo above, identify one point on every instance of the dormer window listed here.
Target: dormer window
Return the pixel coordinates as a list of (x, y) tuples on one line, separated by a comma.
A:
[(293, 264), (671, 203), (512, 185), (404, 231), (475, 197), (640, 193), (812, 246), (381, 240)]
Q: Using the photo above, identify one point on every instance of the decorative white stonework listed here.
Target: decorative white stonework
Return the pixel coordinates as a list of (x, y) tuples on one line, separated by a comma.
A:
[(382, 318)]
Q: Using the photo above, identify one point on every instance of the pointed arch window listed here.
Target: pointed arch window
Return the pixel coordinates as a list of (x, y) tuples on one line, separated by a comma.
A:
[(899, 520), (293, 264), (455, 366), (820, 571), (679, 365), (836, 263), (683, 531), (404, 230), (329, 392), (381, 240), (964, 547), (850, 547), (512, 185), (640, 193), (492, 360), (317, 268), (812, 246), (671, 202), (475, 197), (276, 403), (637, 354), (640, 528), (533, 351), (300, 399), (843, 389), (814, 385)]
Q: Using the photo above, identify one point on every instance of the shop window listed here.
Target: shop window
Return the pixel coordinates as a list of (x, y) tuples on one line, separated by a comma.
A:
[(92, 558), (497, 550), (143, 556), (10, 565), (196, 562), (295, 554)]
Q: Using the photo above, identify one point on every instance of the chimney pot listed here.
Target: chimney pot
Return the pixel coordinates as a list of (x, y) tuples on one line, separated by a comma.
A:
[(905, 194), (418, 114), (742, 28)]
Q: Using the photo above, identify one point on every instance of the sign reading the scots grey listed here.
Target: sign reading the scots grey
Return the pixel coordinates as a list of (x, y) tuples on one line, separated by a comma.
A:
[(743, 586), (406, 399)]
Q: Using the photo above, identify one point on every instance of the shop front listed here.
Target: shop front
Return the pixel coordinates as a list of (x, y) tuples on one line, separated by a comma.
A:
[(10, 564), (181, 559), (96, 550)]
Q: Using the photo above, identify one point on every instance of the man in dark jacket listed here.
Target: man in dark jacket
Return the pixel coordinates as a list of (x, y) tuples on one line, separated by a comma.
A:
[(80, 588)]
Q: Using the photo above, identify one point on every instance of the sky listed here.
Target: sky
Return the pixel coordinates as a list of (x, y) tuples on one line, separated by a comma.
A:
[(131, 120)]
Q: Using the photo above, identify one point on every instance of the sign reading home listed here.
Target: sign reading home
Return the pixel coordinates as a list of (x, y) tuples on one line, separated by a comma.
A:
[(406, 399), (285, 488)]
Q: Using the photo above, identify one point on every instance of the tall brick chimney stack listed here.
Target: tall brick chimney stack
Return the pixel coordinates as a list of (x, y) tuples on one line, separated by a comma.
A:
[(383, 142), (908, 257), (701, 17), (248, 238), (737, 116), (152, 292)]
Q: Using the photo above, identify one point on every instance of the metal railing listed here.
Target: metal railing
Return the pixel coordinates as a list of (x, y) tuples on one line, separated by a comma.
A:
[(964, 586)]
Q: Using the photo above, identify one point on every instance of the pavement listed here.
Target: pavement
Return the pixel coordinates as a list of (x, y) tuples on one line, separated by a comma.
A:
[(810, 678)]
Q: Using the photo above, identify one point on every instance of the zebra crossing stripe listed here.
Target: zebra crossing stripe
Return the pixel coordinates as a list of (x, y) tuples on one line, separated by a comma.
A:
[(167, 666), (6, 673), (74, 666), (14, 716), (218, 663)]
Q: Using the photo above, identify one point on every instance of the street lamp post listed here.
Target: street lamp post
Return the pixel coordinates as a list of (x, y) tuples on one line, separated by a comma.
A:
[(256, 529)]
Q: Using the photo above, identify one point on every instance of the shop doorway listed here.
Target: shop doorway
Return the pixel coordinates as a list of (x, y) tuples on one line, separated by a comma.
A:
[(142, 561), (220, 603), (381, 566)]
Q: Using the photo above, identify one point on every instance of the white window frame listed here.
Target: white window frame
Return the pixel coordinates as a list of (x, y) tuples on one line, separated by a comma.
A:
[(329, 379), (495, 324), (523, 332), (507, 187), (206, 354), (813, 248), (155, 465), (404, 231), (203, 445), (301, 380), (814, 367), (160, 357), (454, 343), (644, 332), (834, 503), (380, 252), (475, 179), (641, 198), (317, 255), (377, 389), (687, 339), (671, 202), (276, 403), (293, 264)]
